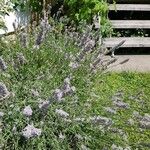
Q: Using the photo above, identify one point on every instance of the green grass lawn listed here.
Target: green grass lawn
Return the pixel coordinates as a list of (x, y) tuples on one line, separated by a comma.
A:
[(44, 70)]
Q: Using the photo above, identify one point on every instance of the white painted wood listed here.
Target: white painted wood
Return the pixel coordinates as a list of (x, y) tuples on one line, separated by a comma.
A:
[(130, 41), (17, 18), (134, 24), (128, 7)]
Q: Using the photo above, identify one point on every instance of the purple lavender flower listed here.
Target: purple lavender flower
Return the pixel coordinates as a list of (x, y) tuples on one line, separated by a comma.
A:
[(3, 91), (89, 45), (3, 65), (145, 121), (44, 105), (101, 120), (121, 104), (74, 65), (67, 88), (39, 39), (44, 27), (21, 59), (23, 40), (110, 110), (27, 111), (61, 113), (30, 131), (144, 124), (58, 95)]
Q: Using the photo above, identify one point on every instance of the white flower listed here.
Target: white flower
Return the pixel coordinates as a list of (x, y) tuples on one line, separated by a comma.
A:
[(27, 111), (1, 114), (30, 131), (61, 113)]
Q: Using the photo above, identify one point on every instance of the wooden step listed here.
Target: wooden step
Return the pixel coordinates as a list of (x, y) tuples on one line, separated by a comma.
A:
[(130, 1), (130, 7), (129, 41), (134, 24)]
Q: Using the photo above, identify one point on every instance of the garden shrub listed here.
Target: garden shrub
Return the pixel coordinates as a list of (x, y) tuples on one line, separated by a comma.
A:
[(86, 10)]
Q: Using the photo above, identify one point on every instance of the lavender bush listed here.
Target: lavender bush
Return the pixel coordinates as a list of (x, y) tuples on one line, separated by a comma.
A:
[(54, 93)]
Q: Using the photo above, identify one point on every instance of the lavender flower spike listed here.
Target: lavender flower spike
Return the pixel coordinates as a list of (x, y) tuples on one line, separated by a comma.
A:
[(27, 111), (58, 95), (30, 131), (23, 40), (62, 113), (21, 59), (3, 65), (101, 120), (3, 91), (44, 104)]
